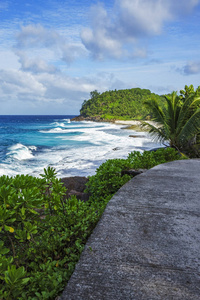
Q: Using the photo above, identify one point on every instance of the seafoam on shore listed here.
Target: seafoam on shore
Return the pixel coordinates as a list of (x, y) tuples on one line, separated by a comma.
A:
[(129, 122), (134, 122), (30, 144)]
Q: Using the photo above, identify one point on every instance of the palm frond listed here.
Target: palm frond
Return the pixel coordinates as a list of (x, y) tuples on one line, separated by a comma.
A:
[(157, 133), (173, 107), (187, 109), (158, 114), (191, 127)]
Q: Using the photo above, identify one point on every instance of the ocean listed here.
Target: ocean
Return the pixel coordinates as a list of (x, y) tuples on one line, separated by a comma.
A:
[(28, 144)]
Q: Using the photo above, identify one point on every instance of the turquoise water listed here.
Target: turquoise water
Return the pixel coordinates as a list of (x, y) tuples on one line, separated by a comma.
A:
[(28, 144)]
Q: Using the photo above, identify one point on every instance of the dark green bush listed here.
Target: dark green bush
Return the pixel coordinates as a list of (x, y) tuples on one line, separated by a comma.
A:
[(149, 159), (108, 178), (41, 236)]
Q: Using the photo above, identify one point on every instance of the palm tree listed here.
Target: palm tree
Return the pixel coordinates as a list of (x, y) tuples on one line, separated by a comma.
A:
[(178, 122)]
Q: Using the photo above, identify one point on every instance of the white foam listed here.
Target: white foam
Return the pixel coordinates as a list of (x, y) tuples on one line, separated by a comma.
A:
[(92, 144), (20, 152), (32, 148), (67, 120), (59, 124), (82, 129)]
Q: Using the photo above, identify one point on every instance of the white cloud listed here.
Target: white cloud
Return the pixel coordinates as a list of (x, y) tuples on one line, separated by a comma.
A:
[(100, 44), (44, 89), (192, 67), (17, 84), (35, 64), (38, 67), (113, 32), (36, 79), (37, 37), (8, 59), (99, 39), (142, 17)]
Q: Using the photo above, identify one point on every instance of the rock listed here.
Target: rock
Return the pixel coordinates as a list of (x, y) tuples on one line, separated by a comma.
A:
[(117, 148), (76, 186), (93, 119), (133, 172), (155, 149), (81, 196), (77, 183), (137, 136), (78, 118)]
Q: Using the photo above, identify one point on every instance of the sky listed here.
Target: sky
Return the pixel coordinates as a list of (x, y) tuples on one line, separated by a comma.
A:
[(54, 53)]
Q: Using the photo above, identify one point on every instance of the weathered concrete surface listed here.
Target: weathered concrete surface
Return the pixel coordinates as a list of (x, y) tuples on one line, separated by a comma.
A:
[(147, 243)]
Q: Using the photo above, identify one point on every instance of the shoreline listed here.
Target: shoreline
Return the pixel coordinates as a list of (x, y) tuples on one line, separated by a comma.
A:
[(73, 150), (128, 123), (136, 124)]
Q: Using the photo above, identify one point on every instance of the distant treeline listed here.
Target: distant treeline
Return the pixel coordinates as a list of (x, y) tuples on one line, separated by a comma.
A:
[(119, 104)]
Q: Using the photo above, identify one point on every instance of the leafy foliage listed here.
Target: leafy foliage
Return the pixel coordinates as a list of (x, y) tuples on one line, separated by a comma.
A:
[(41, 235), (178, 122), (121, 104), (108, 178)]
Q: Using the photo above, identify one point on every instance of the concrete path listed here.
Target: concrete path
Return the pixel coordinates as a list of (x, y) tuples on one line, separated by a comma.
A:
[(147, 243)]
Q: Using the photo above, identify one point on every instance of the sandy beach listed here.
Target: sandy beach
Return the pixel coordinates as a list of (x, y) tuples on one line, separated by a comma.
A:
[(129, 122), (137, 123)]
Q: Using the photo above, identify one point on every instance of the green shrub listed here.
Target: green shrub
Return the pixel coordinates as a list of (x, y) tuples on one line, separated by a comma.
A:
[(108, 178), (149, 159), (41, 236)]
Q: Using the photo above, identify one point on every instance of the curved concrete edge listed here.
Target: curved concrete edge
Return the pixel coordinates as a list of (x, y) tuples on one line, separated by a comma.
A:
[(146, 245)]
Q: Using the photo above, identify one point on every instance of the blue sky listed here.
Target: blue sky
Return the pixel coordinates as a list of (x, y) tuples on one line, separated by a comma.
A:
[(54, 53)]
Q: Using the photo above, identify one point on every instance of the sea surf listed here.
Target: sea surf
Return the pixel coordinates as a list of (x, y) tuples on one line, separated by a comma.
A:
[(28, 144)]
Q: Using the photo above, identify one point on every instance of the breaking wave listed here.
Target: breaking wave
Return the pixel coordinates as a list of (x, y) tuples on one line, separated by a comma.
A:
[(72, 148), (20, 152)]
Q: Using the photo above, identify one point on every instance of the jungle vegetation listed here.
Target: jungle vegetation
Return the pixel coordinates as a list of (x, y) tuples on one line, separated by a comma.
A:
[(177, 120), (177, 114), (119, 104)]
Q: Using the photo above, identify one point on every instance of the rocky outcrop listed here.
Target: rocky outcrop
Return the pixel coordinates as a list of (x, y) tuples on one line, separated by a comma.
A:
[(93, 119), (76, 186), (137, 136), (78, 118), (133, 172)]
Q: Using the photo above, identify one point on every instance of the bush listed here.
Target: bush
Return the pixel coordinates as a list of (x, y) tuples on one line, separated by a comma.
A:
[(108, 178), (149, 159), (41, 236)]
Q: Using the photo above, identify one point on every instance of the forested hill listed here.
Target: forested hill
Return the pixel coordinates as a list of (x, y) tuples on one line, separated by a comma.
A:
[(118, 104)]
